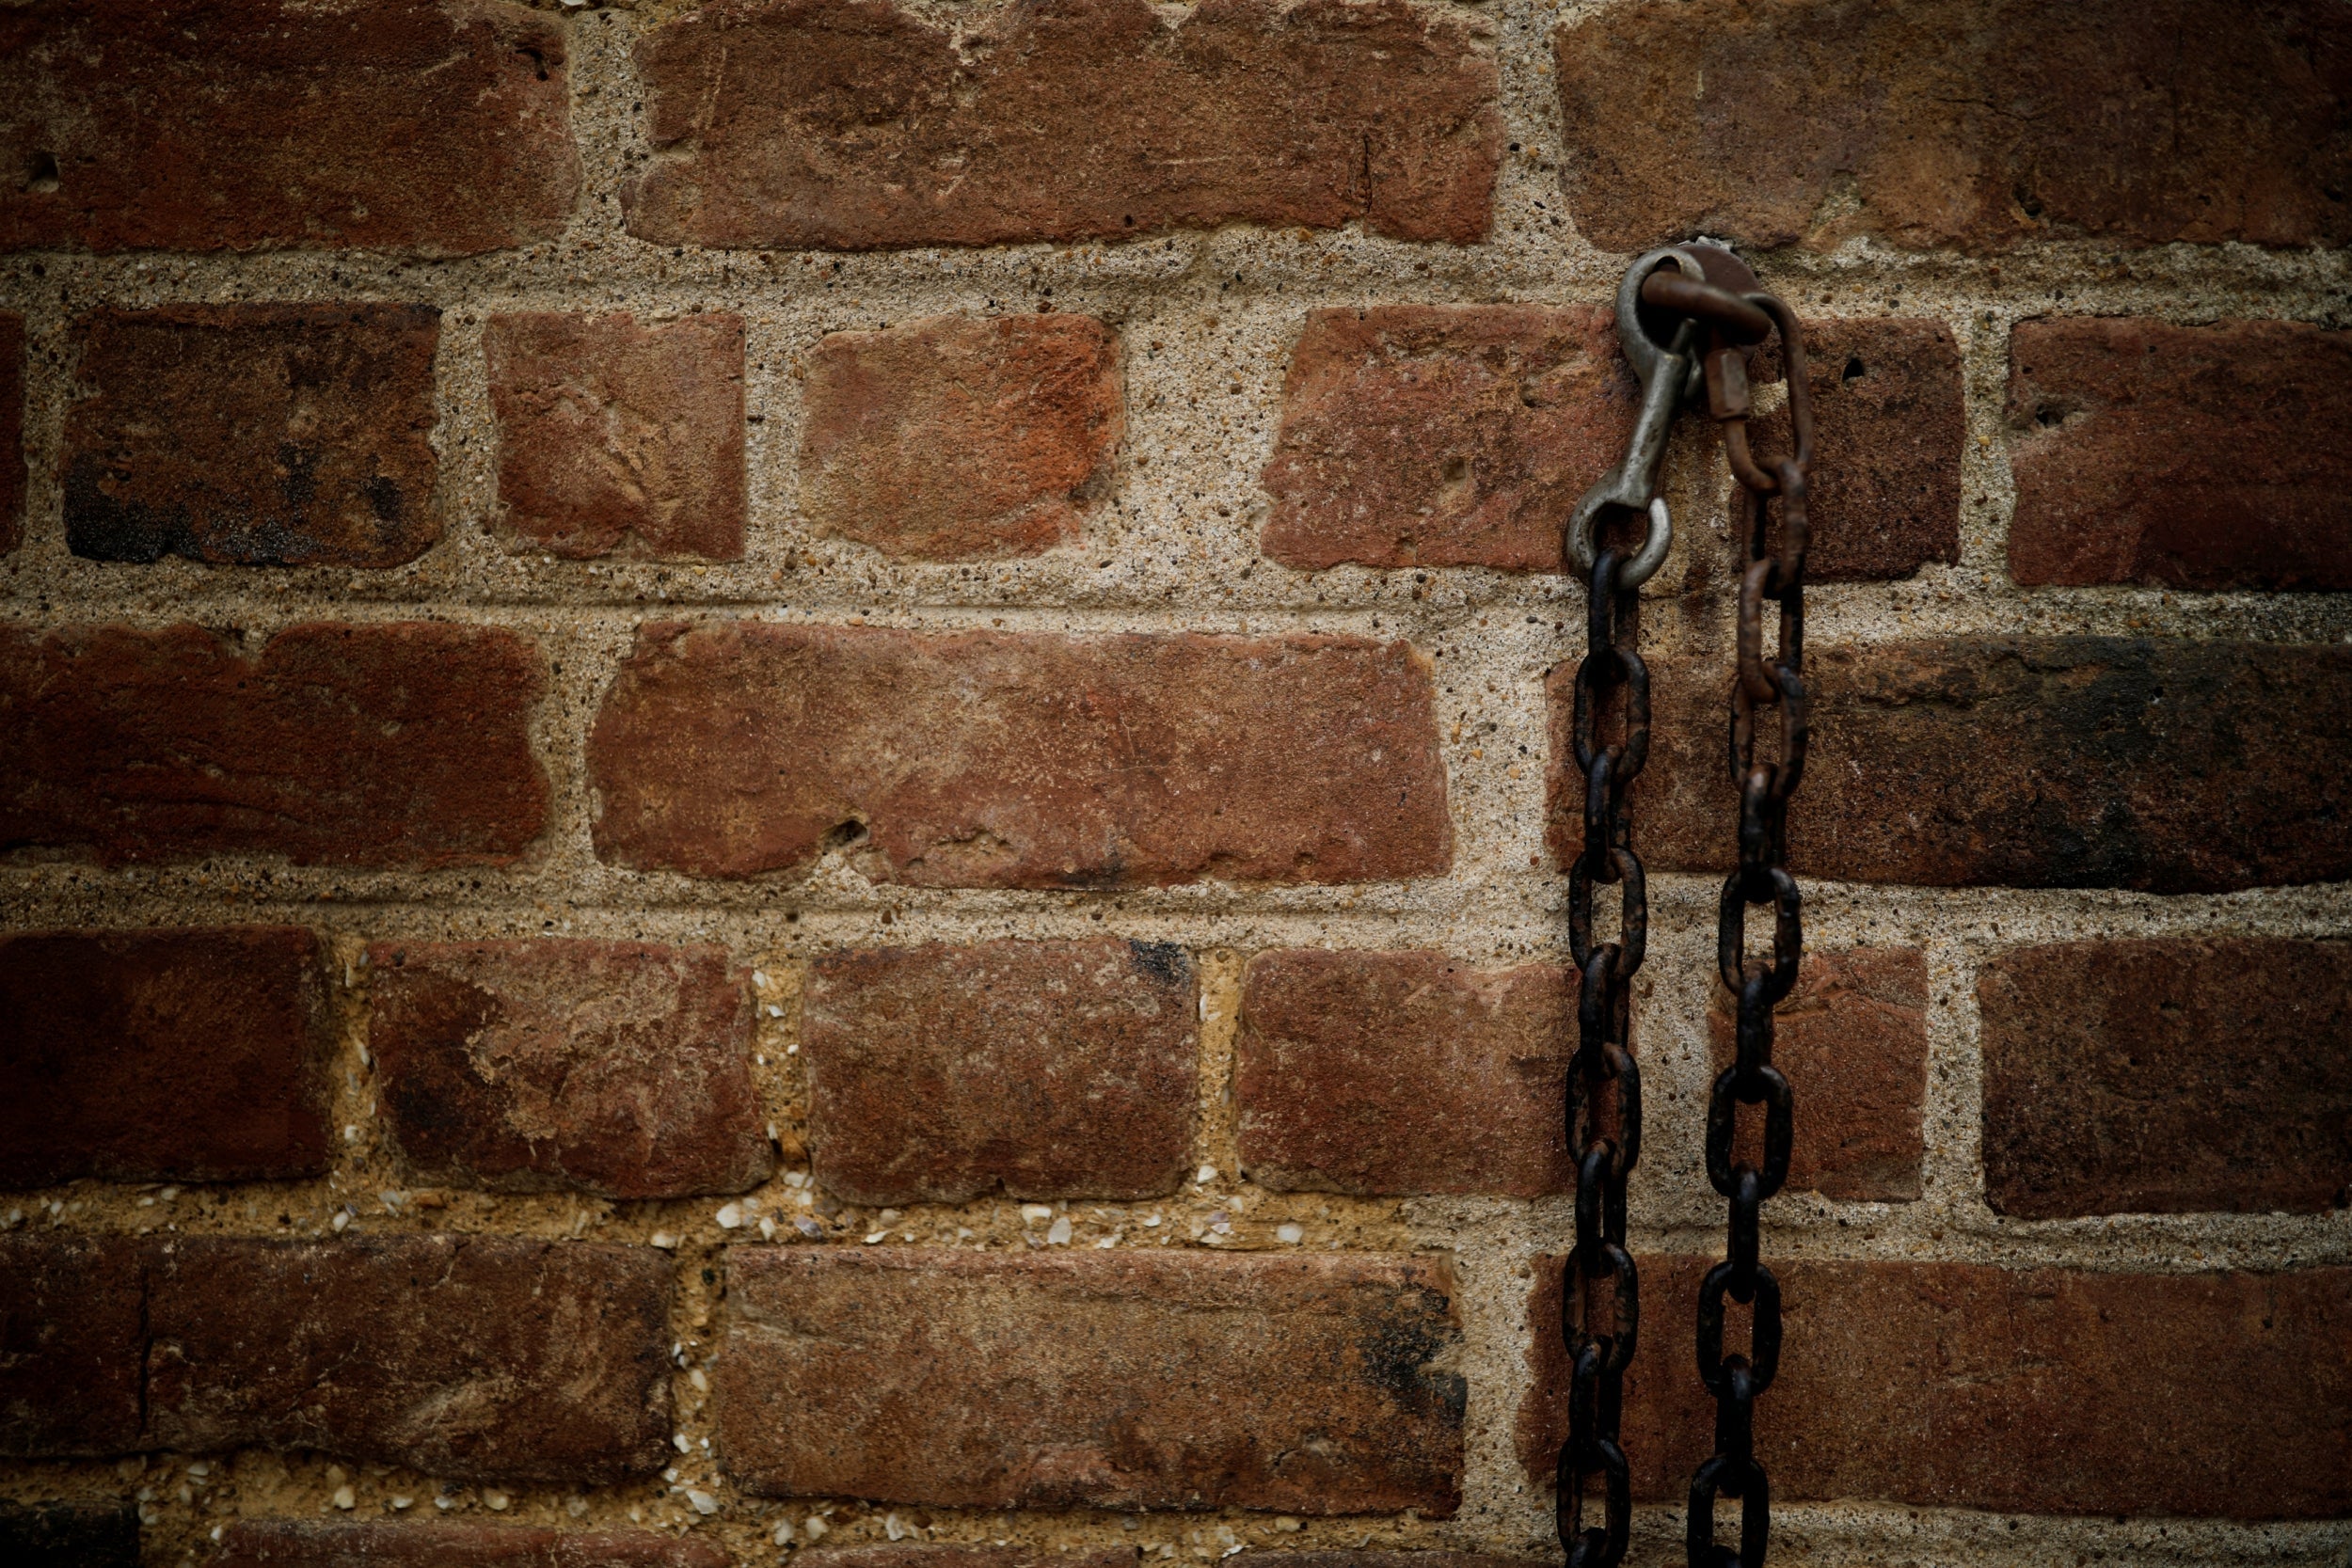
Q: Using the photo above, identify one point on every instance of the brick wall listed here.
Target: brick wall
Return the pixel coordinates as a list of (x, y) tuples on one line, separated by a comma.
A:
[(786, 779)]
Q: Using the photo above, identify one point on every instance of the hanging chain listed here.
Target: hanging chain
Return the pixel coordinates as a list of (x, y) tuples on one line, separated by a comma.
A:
[(1686, 295)]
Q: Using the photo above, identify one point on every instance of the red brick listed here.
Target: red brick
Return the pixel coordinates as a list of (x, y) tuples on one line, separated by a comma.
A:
[(254, 434), (943, 1555), (401, 744), (301, 1543), (65, 1535), (1443, 435), (615, 1067), (793, 124), (188, 1055), (1044, 1068), (71, 1338), (12, 470), (1888, 427), (1968, 123), (1101, 1379), (479, 1358), (983, 759), (2167, 766), (1404, 1072), (2168, 1076), (258, 125), (620, 438), (960, 438), (2181, 456), (1852, 1041), (2025, 1392)]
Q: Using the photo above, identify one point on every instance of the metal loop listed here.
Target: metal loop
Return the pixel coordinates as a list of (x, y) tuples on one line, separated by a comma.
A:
[(1610, 1262), (1632, 912), (1633, 677), (1746, 1482), (1763, 1357), (1770, 1090), (1732, 930), (1594, 1548)]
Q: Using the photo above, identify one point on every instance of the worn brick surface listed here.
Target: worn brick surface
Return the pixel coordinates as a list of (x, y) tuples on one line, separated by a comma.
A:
[(2168, 1076), (477, 1357), (254, 434), (781, 123), (12, 469), (1967, 123), (616, 1067), (393, 744), (71, 1335), (260, 124), (1403, 1072), (987, 759), (2181, 456), (2172, 766), (1044, 1068), (303, 1543), (616, 437), (960, 438), (1104, 1379), (1851, 1039), (1364, 1558), (1888, 424), (2028, 1390), (65, 1535), (1443, 435), (191, 1056)]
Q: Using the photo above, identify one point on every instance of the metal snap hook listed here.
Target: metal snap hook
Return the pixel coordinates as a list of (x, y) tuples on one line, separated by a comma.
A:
[(1668, 374)]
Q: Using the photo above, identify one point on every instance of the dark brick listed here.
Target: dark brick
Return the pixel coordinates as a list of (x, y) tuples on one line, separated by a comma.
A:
[(960, 438), (615, 1067), (254, 434), (72, 1336), (302, 1544), (480, 1358), (1116, 1379), (257, 125), (12, 470), (186, 1055), (793, 125), (1443, 435), (1975, 124), (2014, 1391), (2181, 456), (999, 759), (67, 1535), (2168, 1076), (1042, 1068), (619, 438), (401, 744), (2172, 767), (1403, 1072), (1852, 1041)]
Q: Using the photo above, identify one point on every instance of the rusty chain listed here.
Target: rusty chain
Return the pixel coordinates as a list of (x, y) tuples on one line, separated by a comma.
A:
[(1690, 318)]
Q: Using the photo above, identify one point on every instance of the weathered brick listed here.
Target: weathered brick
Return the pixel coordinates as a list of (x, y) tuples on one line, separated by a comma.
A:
[(1119, 1379), (1888, 427), (1443, 435), (1045, 1069), (12, 470), (960, 438), (72, 1336), (615, 438), (1852, 1041), (254, 434), (793, 125), (188, 1055), (377, 1543), (481, 1359), (2169, 766), (67, 1535), (2181, 456), (1967, 123), (1403, 1072), (1357, 1558), (984, 759), (401, 744), (911, 1554), (262, 124), (2168, 1076), (2022, 1391), (615, 1067)]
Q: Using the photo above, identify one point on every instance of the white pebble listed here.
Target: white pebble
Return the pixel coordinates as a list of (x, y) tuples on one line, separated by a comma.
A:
[(1036, 1213), (702, 1383), (1107, 1243), (758, 978), (403, 1500), (892, 1528), (784, 1533), (344, 1496), (1205, 1174), (444, 1502), (663, 1240), (877, 1236), (816, 1528), (704, 1502), (351, 1132), (774, 1011), (1152, 1223), (1059, 1234), (1289, 1235), (730, 1216), (767, 1228), (494, 1501), (793, 1178), (683, 1444), (808, 1228), (340, 1221)]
